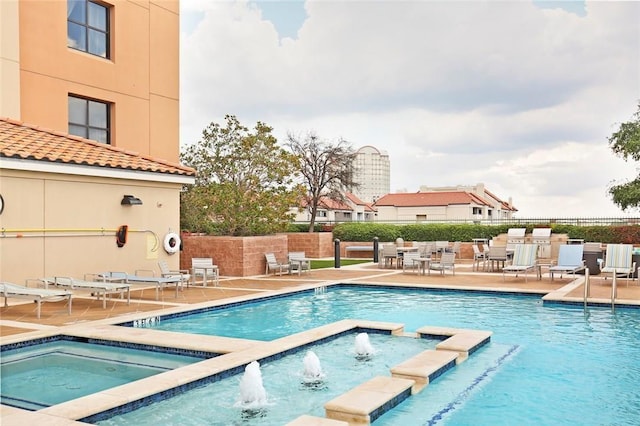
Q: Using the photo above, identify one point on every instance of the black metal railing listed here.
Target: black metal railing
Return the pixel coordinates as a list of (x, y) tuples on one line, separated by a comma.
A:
[(576, 221)]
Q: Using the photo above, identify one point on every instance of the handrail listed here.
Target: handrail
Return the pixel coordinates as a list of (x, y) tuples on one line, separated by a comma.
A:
[(614, 291), (587, 286), (70, 232)]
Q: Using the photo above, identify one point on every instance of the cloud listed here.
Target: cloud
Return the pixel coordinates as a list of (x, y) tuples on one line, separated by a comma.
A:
[(516, 96)]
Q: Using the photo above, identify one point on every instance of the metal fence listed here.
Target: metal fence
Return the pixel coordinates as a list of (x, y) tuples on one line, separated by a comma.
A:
[(577, 221)]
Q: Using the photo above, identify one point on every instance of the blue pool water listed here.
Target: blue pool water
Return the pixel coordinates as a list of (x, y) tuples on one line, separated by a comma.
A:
[(571, 367), (50, 373), (288, 396)]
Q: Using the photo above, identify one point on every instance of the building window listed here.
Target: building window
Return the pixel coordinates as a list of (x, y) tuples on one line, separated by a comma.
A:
[(477, 210), (89, 119), (88, 27)]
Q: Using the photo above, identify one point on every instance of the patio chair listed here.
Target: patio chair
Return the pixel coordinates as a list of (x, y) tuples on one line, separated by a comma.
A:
[(456, 248), (299, 262), (389, 255), (410, 260), (165, 272), (274, 265), (478, 256), (524, 260), (619, 261), (204, 267), (99, 289), (427, 249), (38, 295), (497, 255), (569, 260), (441, 247), (447, 261)]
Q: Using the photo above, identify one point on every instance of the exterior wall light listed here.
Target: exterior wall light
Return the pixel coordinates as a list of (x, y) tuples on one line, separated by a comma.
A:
[(130, 200)]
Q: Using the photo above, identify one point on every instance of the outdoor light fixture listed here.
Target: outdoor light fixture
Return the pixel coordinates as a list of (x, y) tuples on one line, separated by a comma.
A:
[(130, 200)]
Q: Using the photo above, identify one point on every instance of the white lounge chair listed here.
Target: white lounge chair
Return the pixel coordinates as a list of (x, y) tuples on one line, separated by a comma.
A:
[(123, 277), (569, 260), (100, 289), (274, 265), (38, 295), (619, 261), (166, 272), (524, 260)]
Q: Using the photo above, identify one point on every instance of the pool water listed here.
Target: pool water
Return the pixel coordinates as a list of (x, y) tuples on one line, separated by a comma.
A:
[(573, 366), (45, 374), (288, 394)]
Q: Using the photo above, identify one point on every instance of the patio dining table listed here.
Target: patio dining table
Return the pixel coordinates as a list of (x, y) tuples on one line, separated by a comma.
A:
[(424, 264)]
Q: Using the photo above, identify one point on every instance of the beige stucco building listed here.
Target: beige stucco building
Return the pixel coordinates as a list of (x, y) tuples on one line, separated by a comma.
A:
[(89, 107), (461, 203)]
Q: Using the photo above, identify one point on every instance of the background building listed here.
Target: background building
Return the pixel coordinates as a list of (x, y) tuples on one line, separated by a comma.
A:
[(493, 207), (443, 204), (372, 174), (90, 107)]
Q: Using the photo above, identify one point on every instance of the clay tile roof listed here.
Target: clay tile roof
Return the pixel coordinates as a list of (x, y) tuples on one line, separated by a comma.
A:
[(354, 199), (504, 204), (358, 202), (435, 198), (330, 204), (23, 141)]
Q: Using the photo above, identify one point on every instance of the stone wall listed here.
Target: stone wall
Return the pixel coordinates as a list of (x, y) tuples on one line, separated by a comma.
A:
[(235, 256), (314, 244)]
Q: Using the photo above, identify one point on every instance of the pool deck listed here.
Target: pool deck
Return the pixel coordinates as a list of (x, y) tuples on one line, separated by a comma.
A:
[(18, 321)]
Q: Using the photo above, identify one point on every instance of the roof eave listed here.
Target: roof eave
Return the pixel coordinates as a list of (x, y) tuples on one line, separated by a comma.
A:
[(94, 171)]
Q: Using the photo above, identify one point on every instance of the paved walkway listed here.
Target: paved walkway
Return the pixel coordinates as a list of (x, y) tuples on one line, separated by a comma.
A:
[(20, 316)]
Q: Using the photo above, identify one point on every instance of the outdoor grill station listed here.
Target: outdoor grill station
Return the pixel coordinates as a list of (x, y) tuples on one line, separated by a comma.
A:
[(542, 237)]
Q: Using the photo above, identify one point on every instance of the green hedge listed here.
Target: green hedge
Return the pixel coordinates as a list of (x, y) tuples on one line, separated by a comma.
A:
[(629, 234), (304, 227)]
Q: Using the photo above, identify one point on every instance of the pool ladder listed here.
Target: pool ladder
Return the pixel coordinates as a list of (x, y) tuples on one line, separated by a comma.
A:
[(587, 289)]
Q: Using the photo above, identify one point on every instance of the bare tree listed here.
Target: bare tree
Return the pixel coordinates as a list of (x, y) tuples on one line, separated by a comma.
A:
[(327, 169)]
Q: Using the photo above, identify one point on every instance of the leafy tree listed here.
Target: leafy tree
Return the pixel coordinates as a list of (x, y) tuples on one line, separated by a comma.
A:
[(245, 182), (327, 169), (625, 142)]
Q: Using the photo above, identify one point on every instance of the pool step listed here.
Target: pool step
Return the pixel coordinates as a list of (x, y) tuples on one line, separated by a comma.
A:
[(368, 401), (463, 341), (425, 367), (307, 420)]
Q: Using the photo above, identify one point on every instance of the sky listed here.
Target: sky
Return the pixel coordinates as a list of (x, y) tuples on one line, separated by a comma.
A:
[(519, 95)]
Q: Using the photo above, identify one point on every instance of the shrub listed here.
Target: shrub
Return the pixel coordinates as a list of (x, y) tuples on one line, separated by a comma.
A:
[(360, 231)]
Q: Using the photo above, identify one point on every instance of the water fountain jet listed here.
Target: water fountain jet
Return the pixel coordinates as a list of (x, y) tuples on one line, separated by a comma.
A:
[(312, 368), (363, 346), (252, 392)]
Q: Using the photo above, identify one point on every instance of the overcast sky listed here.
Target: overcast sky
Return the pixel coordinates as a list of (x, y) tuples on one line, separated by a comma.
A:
[(518, 95)]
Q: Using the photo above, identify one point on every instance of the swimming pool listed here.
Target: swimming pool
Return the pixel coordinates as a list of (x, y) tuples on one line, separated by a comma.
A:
[(573, 366), (46, 373)]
